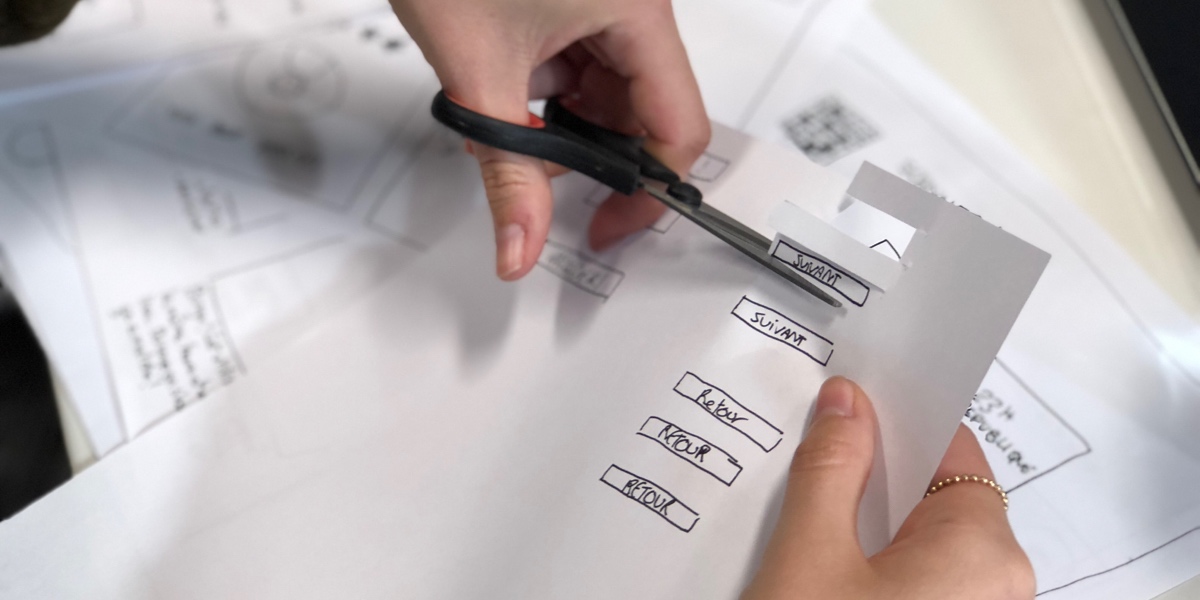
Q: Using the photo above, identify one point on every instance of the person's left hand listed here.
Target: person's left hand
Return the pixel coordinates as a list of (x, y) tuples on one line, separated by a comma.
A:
[(956, 543)]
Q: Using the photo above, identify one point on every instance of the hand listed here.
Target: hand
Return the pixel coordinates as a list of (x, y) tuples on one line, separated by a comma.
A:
[(619, 63), (27, 20), (955, 544)]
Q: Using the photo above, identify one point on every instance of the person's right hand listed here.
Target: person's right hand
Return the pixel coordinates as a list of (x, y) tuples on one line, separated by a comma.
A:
[(619, 63), (956, 543)]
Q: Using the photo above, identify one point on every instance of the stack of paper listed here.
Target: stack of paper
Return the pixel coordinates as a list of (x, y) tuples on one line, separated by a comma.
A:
[(264, 274)]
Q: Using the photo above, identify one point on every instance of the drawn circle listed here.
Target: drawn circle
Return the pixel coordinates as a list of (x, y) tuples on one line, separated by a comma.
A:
[(296, 80)]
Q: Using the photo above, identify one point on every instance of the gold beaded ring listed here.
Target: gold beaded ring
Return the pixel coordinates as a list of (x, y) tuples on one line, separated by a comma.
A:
[(937, 487)]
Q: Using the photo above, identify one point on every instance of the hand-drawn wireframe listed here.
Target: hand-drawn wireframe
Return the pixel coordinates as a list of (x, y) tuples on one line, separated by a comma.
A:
[(30, 163), (429, 193), (886, 248), (295, 80), (311, 115), (922, 118), (728, 411), (822, 272), (708, 168), (580, 270), (1022, 437), (828, 130), (211, 208), (693, 449), (92, 18), (182, 344), (775, 325), (652, 496), (179, 344)]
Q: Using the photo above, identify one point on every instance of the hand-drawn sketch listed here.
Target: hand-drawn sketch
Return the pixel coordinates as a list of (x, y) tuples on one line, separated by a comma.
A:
[(296, 80), (775, 325), (430, 192), (312, 116), (708, 168), (178, 344), (886, 248), (829, 130), (823, 272), (1023, 437), (580, 270), (692, 448), (728, 411), (652, 497), (1076, 457), (213, 208)]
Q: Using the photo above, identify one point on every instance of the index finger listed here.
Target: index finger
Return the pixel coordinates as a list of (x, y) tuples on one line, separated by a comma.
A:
[(663, 91), (665, 100)]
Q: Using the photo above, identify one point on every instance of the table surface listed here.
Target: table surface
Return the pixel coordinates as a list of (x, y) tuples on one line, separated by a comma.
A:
[(1037, 71)]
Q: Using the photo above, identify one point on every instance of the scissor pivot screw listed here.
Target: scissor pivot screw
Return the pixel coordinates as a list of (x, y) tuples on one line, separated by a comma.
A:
[(686, 193)]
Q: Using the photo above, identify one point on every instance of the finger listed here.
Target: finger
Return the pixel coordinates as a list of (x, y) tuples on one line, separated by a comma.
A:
[(665, 99), (554, 77), (965, 457), (517, 186), (518, 193), (964, 524), (819, 518), (621, 215), (663, 92), (604, 100)]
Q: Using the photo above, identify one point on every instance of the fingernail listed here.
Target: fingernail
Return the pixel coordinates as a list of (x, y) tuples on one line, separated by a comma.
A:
[(510, 250), (836, 398)]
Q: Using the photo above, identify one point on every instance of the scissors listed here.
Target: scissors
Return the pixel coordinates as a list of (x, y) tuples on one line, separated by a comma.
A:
[(618, 161)]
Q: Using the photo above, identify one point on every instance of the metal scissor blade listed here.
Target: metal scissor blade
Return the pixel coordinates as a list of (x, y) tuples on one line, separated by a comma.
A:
[(749, 242)]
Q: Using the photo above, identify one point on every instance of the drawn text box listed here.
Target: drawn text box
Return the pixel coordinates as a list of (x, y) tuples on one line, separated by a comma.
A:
[(774, 325), (650, 495), (728, 411), (822, 272), (580, 271), (692, 448)]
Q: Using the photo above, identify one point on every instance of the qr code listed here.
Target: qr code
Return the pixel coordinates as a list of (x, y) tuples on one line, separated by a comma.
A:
[(828, 130)]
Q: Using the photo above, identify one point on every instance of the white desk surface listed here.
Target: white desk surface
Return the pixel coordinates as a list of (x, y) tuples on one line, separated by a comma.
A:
[(1036, 70)]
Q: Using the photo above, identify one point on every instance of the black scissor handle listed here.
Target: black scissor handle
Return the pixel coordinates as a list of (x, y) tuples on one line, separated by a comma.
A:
[(614, 159)]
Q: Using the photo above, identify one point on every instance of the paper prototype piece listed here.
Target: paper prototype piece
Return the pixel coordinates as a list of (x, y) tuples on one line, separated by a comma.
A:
[(501, 428), (1088, 414)]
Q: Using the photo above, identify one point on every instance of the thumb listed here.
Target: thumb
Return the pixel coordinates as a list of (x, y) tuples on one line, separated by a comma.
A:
[(817, 529), (517, 186)]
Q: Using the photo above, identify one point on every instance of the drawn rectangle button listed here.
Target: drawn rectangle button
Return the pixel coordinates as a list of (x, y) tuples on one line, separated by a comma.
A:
[(774, 325), (580, 271), (692, 448), (652, 496), (725, 409), (822, 272)]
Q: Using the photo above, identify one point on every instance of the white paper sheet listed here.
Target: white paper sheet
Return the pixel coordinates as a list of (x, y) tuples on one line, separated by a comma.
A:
[(1088, 414), (1096, 391), (158, 231), (492, 428), (45, 273), (104, 35), (348, 133)]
